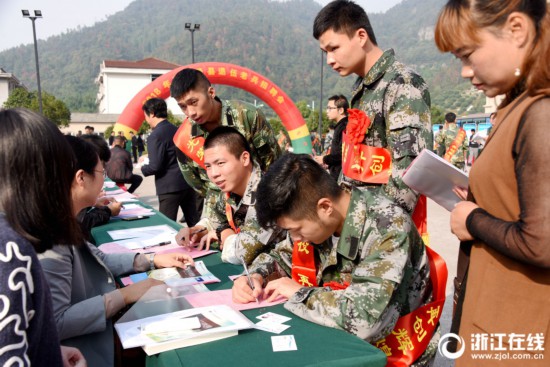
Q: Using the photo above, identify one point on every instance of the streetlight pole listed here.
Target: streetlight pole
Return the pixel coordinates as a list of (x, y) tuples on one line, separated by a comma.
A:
[(196, 27), (37, 14)]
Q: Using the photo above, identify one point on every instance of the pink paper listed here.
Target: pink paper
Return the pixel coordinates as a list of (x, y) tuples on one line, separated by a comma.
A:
[(224, 297), (126, 281)]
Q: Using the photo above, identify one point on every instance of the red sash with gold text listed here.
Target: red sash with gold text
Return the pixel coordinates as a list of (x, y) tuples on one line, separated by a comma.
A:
[(303, 264), (192, 148), (412, 332), (365, 163)]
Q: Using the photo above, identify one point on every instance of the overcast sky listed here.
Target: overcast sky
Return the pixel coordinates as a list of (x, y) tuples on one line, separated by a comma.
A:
[(62, 15)]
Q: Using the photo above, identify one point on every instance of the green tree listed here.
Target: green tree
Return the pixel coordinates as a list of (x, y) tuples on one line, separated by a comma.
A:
[(437, 115), (53, 108)]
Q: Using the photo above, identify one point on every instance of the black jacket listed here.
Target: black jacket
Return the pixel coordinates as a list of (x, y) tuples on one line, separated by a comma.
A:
[(162, 160), (334, 159)]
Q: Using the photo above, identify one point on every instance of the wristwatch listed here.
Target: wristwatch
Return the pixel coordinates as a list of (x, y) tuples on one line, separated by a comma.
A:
[(151, 261)]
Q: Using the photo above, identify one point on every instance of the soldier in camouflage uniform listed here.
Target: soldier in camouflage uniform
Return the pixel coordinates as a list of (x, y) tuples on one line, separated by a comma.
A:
[(449, 134), (394, 97), (228, 162), (198, 101), (360, 238)]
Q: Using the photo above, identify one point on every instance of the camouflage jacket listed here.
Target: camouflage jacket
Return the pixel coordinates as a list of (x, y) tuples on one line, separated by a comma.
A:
[(446, 137), (382, 256), (397, 101), (252, 238), (252, 123)]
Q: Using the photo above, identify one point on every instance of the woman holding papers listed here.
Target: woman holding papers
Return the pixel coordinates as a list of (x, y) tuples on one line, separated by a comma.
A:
[(82, 278), (35, 213), (504, 47)]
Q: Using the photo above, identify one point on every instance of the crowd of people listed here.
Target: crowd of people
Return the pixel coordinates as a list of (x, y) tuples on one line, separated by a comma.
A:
[(334, 232)]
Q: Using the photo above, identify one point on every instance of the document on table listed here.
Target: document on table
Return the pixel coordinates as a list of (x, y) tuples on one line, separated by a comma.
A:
[(133, 210), (124, 197), (224, 297), (144, 237), (431, 175), (213, 319), (142, 232)]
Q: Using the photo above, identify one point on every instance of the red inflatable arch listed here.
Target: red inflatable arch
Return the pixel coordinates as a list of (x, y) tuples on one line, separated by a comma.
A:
[(227, 74)]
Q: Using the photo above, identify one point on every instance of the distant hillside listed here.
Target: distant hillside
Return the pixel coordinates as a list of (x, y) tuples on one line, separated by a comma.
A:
[(273, 38)]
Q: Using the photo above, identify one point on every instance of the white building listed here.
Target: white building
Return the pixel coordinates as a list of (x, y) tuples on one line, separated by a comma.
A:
[(119, 81), (8, 82)]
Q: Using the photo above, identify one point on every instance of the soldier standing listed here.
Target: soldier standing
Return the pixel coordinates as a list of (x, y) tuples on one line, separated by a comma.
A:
[(454, 140), (394, 98)]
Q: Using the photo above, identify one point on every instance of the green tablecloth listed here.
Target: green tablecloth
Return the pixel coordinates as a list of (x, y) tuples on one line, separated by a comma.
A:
[(317, 345)]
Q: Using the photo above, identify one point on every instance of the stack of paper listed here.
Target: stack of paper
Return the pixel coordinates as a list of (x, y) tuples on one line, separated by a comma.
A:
[(180, 329), (134, 210), (431, 175)]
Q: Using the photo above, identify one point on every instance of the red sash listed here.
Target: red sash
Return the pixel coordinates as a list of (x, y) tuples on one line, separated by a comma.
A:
[(229, 215), (304, 270), (365, 163), (453, 148), (420, 218), (412, 332), (192, 148)]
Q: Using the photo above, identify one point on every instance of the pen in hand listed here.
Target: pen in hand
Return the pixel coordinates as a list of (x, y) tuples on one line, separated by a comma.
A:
[(250, 283), (191, 234)]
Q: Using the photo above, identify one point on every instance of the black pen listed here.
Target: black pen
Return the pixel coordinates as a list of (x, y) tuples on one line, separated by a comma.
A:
[(159, 244)]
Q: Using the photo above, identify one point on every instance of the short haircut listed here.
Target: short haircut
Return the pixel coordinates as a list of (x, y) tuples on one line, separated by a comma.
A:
[(85, 153), (340, 101), (342, 16), (27, 169), (100, 145), (118, 139), (155, 106), (291, 188), (229, 137), (187, 80), (450, 117)]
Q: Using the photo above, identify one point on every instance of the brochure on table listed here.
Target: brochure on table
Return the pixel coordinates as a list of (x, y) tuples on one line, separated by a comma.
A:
[(179, 277), (181, 325), (162, 299), (431, 175)]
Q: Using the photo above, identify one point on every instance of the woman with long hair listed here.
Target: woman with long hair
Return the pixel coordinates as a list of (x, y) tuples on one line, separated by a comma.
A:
[(503, 284)]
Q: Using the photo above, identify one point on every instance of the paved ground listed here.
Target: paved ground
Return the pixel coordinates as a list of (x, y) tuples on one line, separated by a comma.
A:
[(441, 240)]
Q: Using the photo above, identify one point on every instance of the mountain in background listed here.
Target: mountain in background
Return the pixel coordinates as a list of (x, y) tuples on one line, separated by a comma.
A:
[(270, 37)]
